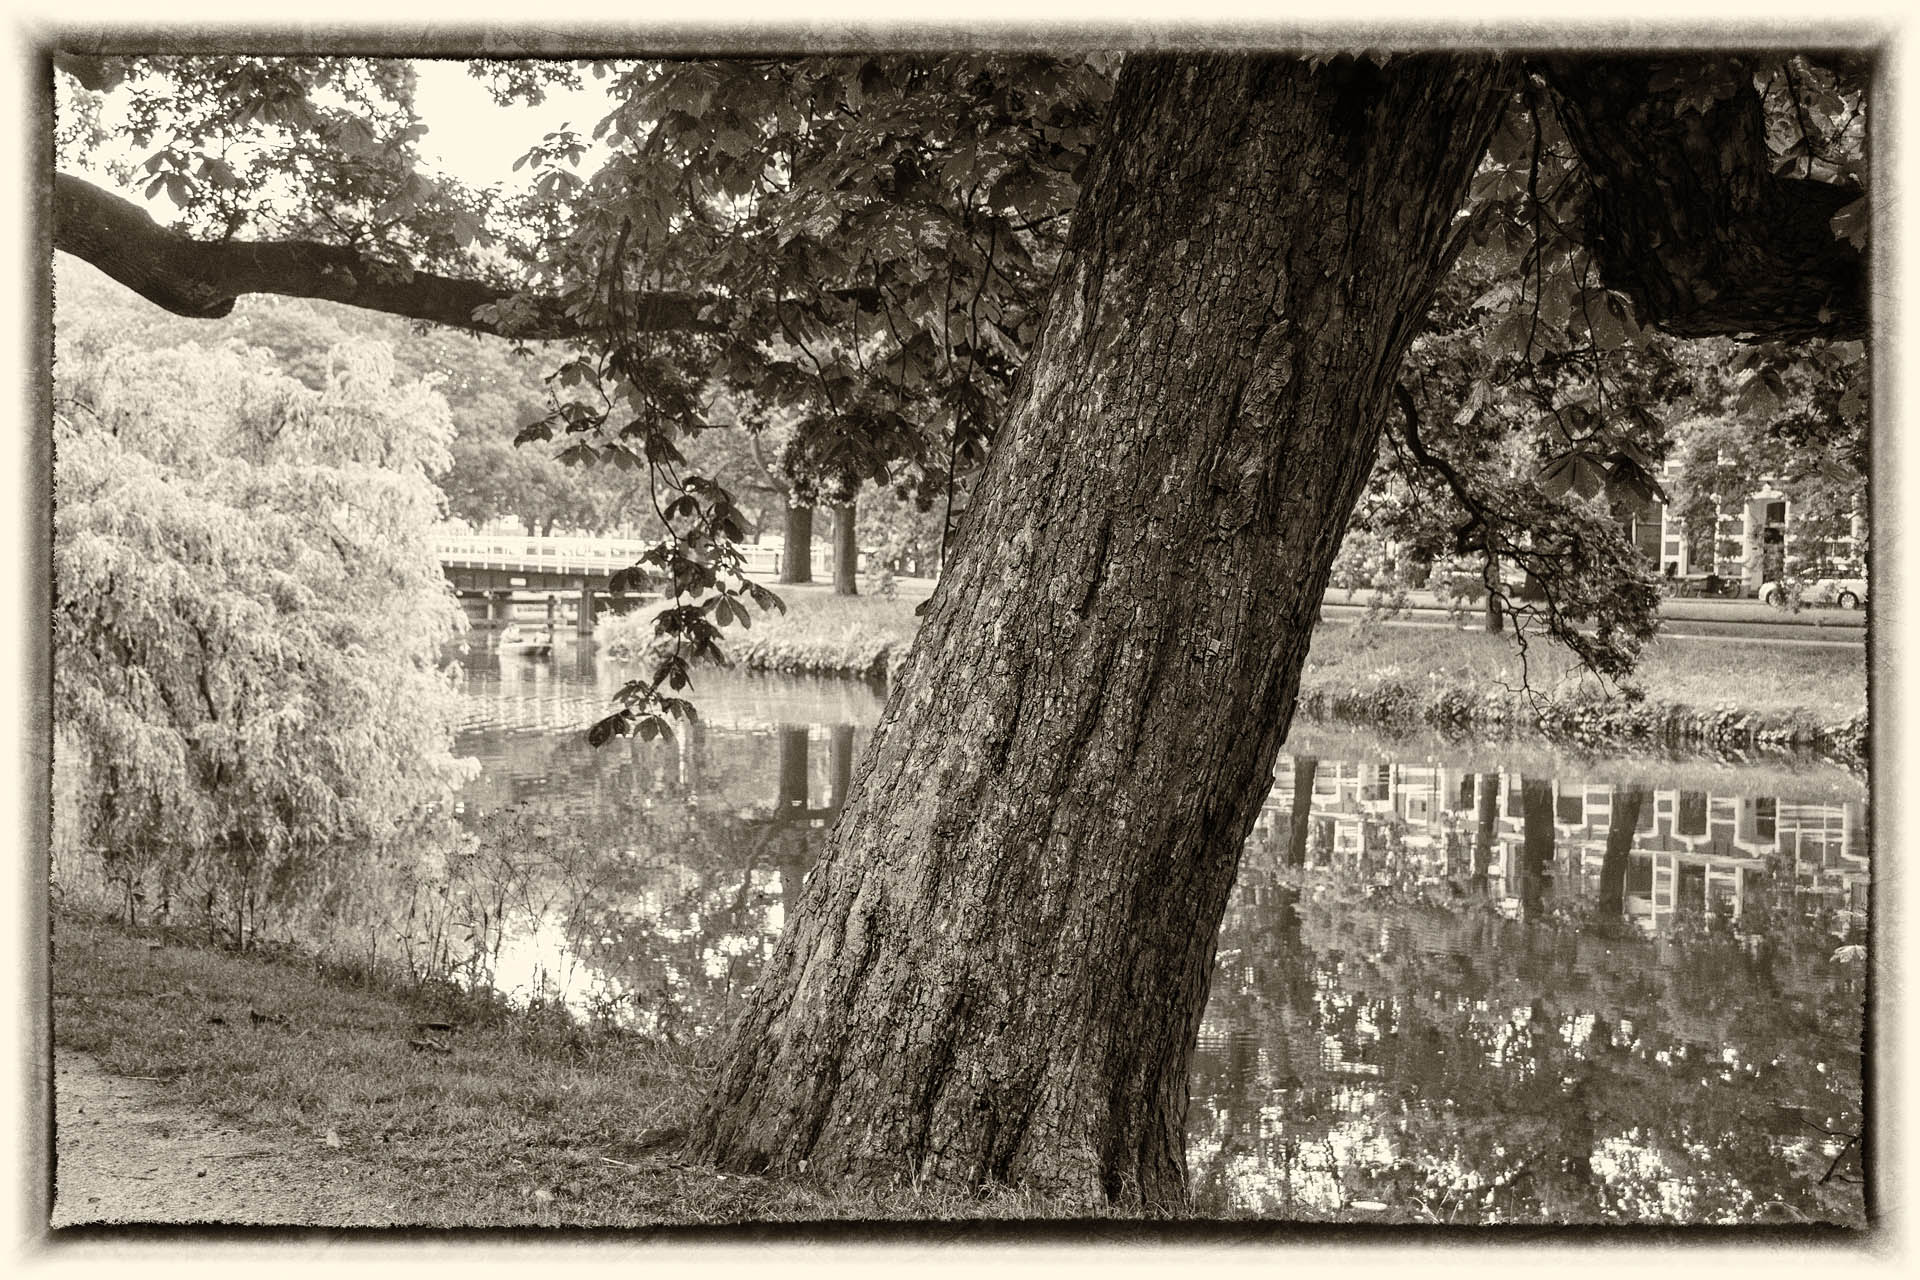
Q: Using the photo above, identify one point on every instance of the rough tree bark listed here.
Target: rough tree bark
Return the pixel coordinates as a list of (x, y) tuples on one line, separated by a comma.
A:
[(796, 558), (997, 968), (846, 551)]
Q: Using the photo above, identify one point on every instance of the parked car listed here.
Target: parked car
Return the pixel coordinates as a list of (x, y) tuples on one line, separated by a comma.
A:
[(1466, 583), (1702, 584), (1845, 593)]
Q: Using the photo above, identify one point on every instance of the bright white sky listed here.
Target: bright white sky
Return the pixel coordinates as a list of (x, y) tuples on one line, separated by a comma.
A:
[(470, 138)]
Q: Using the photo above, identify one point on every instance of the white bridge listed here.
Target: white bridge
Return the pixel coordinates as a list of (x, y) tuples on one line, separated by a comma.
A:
[(570, 558)]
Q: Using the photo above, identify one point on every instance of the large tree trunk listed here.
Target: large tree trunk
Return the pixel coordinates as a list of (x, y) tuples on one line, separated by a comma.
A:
[(999, 964), (846, 551), (796, 559)]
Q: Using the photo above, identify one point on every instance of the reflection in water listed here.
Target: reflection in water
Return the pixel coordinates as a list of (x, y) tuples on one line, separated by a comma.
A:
[(1442, 994), (1633, 1005)]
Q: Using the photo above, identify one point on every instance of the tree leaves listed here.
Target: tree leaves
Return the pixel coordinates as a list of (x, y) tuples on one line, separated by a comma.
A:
[(248, 612), (1852, 223), (1579, 473), (1761, 395)]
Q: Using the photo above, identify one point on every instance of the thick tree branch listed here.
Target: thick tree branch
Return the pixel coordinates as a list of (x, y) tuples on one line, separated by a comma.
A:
[(1688, 217), (201, 279)]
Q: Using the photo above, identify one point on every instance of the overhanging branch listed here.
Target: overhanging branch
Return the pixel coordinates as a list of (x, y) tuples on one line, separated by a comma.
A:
[(201, 279)]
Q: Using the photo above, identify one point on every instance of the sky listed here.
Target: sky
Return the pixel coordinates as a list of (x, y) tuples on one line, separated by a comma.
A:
[(470, 138)]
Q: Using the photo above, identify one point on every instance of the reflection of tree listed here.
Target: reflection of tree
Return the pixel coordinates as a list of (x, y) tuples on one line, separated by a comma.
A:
[(1487, 790), (1373, 1032), (1416, 1049), (1536, 844), (684, 957), (1623, 818), (1304, 768)]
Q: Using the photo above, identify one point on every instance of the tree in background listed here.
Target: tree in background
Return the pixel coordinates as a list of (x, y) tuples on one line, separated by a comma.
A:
[(492, 389), (247, 614), (902, 531), (1794, 421)]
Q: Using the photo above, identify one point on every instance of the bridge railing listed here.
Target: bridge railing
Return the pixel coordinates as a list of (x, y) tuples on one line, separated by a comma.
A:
[(565, 554)]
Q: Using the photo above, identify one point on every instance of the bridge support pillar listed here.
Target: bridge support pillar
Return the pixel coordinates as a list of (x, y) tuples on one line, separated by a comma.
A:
[(553, 604), (497, 607), (583, 612)]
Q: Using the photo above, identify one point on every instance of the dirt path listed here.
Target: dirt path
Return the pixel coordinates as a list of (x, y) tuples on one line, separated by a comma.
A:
[(124, 1155)]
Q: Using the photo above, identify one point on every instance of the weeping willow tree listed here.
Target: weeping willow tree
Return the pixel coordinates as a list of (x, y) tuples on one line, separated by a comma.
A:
[(247, 615)]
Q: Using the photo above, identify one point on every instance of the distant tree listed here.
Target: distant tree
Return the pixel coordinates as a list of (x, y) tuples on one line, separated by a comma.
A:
[(492, 388), (901, 528), (247, 613), (1798, 424)]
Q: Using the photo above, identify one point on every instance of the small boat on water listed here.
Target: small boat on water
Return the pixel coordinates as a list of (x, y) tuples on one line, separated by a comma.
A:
[(526, 640)]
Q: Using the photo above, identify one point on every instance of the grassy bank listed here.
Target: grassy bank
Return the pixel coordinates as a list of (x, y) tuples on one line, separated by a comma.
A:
[(455, 1109), (818, 634), (1687, 691)]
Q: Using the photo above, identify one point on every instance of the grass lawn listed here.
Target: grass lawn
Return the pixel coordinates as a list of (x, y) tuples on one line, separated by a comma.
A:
[(517, 1118), (818, 633), (1828, 682)]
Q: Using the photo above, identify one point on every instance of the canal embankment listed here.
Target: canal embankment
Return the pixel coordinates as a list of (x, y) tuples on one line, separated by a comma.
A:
[(1687, 691)]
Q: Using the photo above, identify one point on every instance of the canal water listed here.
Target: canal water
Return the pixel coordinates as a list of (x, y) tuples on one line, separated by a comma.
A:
[(1458, 982)]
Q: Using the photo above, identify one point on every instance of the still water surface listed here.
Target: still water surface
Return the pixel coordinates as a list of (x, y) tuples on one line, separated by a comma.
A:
[(1457, 983)]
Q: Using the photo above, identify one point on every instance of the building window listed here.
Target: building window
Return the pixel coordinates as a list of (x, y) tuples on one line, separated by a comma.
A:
[(1691, 820), (1639, 875)]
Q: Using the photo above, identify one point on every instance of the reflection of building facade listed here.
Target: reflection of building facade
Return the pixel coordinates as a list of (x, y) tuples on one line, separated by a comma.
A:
[(1690, 851)]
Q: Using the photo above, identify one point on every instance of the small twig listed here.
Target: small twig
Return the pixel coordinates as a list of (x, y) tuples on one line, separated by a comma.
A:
[(1845, 1147), (622, 1163)]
